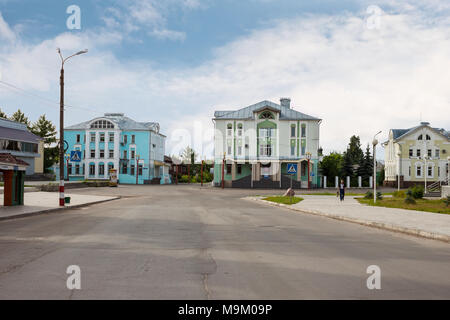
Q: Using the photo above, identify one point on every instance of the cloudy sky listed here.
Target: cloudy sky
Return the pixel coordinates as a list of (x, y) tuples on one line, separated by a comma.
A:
[(361, 66)]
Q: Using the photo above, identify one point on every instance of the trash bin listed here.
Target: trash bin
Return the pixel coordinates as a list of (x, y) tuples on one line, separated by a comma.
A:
[(67, 200)]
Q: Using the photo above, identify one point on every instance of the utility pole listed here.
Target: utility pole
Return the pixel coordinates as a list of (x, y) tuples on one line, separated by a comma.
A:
[(202, 173), (223, 171), (61, 125), (137, 169)]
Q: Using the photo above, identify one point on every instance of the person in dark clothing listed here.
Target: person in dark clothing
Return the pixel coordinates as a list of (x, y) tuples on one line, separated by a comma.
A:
[(342, 190)]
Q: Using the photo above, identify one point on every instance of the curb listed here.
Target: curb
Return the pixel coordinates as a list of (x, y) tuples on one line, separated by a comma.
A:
[(45, 211), (373, 224)]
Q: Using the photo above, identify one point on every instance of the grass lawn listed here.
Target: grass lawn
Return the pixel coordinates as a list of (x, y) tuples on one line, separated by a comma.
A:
[(284, 200), (347, 194), (436, 206)]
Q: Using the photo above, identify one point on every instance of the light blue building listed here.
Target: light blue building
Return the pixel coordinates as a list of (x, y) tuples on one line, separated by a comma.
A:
[(114, 141)]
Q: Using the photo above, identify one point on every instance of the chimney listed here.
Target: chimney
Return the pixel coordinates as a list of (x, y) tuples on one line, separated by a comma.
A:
[(425, 123), (285, 102)]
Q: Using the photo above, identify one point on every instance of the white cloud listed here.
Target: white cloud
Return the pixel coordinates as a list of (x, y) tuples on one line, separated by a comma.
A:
[(358, 80), (6, 32)]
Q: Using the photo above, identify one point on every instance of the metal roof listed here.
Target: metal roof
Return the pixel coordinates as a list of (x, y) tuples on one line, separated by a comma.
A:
[(286, 113), (123, 122), (18, 135), (400, 133), (7, 158)]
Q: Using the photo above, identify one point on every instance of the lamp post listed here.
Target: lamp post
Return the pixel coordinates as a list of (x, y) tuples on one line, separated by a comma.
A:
[(137, 169), (61, 124), (308, 156), (374, 143)]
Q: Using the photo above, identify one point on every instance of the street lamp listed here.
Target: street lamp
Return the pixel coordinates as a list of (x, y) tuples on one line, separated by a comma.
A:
[(308, 156), (374, 143), (61, 125)]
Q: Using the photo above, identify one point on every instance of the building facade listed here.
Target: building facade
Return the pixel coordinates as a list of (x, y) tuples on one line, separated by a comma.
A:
[(254, 145), (114, 141), (16, 140), (416, 154)]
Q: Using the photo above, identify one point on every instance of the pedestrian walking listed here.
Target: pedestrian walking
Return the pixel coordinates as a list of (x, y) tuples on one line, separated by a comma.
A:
[(341, 190)]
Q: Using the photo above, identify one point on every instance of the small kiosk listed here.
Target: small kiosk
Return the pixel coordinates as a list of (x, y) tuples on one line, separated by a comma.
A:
[(13, 170)]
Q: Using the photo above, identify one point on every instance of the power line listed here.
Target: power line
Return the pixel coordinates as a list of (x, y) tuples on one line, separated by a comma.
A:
[(46, 100)]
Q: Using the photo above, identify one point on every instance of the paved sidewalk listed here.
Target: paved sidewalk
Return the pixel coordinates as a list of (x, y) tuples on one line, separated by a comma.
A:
[(43, 202), (419, 223)]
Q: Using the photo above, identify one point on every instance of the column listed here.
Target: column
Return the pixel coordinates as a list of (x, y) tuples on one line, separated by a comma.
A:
[(324, 182), (359, 182), (336, 182), (348, 181)]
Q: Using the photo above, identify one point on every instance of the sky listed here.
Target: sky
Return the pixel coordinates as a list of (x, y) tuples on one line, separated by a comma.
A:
[(361, 66)]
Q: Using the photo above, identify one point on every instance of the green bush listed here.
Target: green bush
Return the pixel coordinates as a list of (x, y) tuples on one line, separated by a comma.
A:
[(447, 201), (184, 179), (399, 194), (410, 200), (369, 195), (416, 192), (379, 196)]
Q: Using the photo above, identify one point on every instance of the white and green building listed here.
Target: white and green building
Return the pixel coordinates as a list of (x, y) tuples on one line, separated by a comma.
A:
[(254, 145)]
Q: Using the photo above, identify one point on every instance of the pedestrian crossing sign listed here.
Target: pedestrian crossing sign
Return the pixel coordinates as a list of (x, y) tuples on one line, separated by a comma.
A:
[(292, 168), (75, 156)]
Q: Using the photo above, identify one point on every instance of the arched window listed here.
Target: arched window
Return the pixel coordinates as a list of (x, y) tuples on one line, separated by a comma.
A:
[(229, 129), (239, 131), (102, 124), (420, 137), (428, 137), (266, 115)]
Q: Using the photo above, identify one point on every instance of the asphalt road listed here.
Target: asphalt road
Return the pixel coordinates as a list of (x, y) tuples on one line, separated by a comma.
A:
[(181, 242)]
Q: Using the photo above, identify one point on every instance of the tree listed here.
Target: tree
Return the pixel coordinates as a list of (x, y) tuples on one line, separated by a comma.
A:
[(19, 116), (3, 115), (347, 165), (331, 166), (354, 150), (45, 129), (188, 155)]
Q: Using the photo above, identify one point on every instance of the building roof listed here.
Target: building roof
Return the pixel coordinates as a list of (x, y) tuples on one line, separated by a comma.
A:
[(286, 113), (18, 135), (7, 158), (400, 133), (123, 122)]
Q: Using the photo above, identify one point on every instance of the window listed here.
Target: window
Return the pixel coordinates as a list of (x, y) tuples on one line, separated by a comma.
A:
[(239, 150), (429, 153), (419, 171), (437, 153), (303, 130), (102, 124), (439, 172), (430, 171), (125, 169), (92, 136), (111, 137), (101, 169), (69, 169), (82, 172), (102, 137), (265, 133), (132, 169), (240, 130), (92, 169), (77, 169), (78, 138), (133, 139), (102, 153), (418, 152), (111, 153), (140, 169), (409, 171), (420, 137), (132, 154), (92, 153), (229, 129), (239, 169), (428, 137), (265, 150), (293, 130), (228, 168), (229, 150), (266, 115), (411, 152), (125, 139), (110, 167), (292, 150), (125, 154)]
